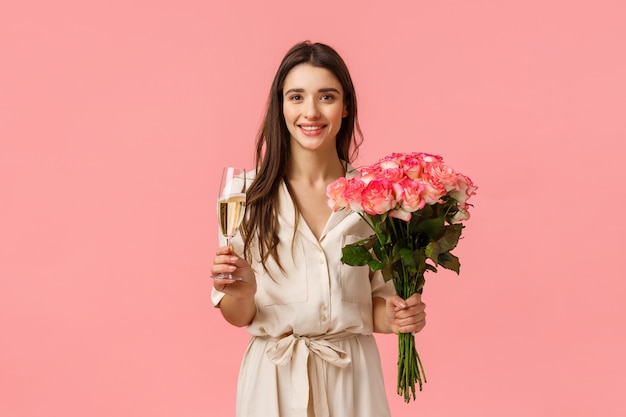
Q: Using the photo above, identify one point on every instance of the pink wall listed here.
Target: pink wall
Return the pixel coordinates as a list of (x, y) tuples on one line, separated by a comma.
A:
[(116, 117)]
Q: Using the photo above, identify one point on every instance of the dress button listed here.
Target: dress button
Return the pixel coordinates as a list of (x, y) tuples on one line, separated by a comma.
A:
[(323, 315)]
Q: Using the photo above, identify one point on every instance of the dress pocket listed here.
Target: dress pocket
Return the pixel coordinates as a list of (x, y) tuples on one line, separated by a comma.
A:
[(355, 280)]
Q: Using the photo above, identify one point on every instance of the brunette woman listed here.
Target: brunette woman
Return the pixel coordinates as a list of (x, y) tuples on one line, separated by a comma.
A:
[(311, 318)]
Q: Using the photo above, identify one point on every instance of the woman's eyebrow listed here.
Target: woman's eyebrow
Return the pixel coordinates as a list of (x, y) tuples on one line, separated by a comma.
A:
[(329, 90), (294, 90), (321, 90)]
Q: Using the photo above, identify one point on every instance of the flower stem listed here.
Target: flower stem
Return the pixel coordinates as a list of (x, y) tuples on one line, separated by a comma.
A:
[(410, 369)]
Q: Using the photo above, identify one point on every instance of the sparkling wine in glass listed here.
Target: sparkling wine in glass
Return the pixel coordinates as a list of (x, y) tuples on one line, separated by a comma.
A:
[(231, 206)]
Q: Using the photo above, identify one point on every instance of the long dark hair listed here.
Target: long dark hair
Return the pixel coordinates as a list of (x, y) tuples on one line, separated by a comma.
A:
[(273, 145)]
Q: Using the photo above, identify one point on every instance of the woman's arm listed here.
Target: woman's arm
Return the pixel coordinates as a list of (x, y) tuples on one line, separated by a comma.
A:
[(236, 311), (237, 305)]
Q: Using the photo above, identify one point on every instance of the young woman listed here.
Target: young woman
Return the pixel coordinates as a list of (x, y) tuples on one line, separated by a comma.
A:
[(311, 317)]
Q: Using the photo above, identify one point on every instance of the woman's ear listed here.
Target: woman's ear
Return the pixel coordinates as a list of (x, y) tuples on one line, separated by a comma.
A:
[(345, 111)]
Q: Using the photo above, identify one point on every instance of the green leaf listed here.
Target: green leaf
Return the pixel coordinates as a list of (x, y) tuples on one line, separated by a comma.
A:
[(419, 256), (355, 255), (375, 265), (408, 259), (384, 238), (379, 252), (367, 243), (418, 217), (433, 228), (432, 251), (450, 237), (449, 261)]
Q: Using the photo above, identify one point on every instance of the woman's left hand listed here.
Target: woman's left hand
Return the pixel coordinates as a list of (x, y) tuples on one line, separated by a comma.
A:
[(405, 316)]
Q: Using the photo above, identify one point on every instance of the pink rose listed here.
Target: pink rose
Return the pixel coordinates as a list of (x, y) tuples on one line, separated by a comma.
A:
[(353, 193), (429, 158), (444, 174), (334, 191), (465, 189), (412, 166), (401, 214), (392, 174), (378, 196), (397, 156), (390, 162), (410, 195), (433, 189), (367, 174), (462, 214)]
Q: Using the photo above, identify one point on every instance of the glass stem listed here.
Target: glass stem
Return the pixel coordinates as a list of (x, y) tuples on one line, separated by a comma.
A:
[(229, 275)]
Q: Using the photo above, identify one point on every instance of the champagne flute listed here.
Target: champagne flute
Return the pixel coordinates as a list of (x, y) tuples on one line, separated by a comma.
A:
[(231, 206)]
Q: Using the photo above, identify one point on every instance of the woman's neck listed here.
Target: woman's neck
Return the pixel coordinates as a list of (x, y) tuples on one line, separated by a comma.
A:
[(315, 169)]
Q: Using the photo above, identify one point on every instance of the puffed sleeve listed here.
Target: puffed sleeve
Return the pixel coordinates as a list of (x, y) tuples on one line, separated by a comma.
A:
[(380, 288), (216, 297)]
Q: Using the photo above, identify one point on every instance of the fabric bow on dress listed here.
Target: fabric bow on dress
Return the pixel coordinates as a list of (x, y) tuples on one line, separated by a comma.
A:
[(295, 350)]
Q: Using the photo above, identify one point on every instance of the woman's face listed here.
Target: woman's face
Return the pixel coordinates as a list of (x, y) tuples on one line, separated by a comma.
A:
[(313, 107)]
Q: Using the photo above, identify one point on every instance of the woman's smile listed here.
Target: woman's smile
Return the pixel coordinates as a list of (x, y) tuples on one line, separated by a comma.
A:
[(312, 129)]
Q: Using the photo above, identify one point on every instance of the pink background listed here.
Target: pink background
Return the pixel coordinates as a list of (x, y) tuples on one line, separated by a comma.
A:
[(116, 117)]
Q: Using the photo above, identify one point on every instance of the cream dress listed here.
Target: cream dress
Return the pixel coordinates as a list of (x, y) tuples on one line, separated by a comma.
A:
[(312, 352)]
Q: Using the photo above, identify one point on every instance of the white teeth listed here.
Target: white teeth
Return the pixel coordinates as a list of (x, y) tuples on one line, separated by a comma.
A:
[(311, 128)]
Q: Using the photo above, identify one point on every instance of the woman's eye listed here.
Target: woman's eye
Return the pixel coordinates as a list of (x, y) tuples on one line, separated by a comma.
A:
[(327, 97), (295, 97)]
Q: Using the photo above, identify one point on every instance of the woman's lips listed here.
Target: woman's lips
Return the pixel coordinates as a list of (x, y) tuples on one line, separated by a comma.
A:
[(312, 130)]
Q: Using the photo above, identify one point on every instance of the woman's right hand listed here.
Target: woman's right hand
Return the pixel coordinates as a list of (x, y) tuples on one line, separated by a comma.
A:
[(226, 261)]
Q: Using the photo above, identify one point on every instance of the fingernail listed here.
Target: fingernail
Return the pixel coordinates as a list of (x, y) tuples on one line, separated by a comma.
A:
[(233, 259)]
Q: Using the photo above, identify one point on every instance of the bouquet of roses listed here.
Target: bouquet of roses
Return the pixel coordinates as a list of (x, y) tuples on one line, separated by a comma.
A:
[(413, 202)]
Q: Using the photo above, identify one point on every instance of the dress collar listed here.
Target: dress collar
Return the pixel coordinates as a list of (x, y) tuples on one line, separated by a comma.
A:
[(287, 211)]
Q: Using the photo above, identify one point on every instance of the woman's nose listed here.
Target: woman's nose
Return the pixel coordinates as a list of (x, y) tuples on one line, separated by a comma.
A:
[(311, 111)]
